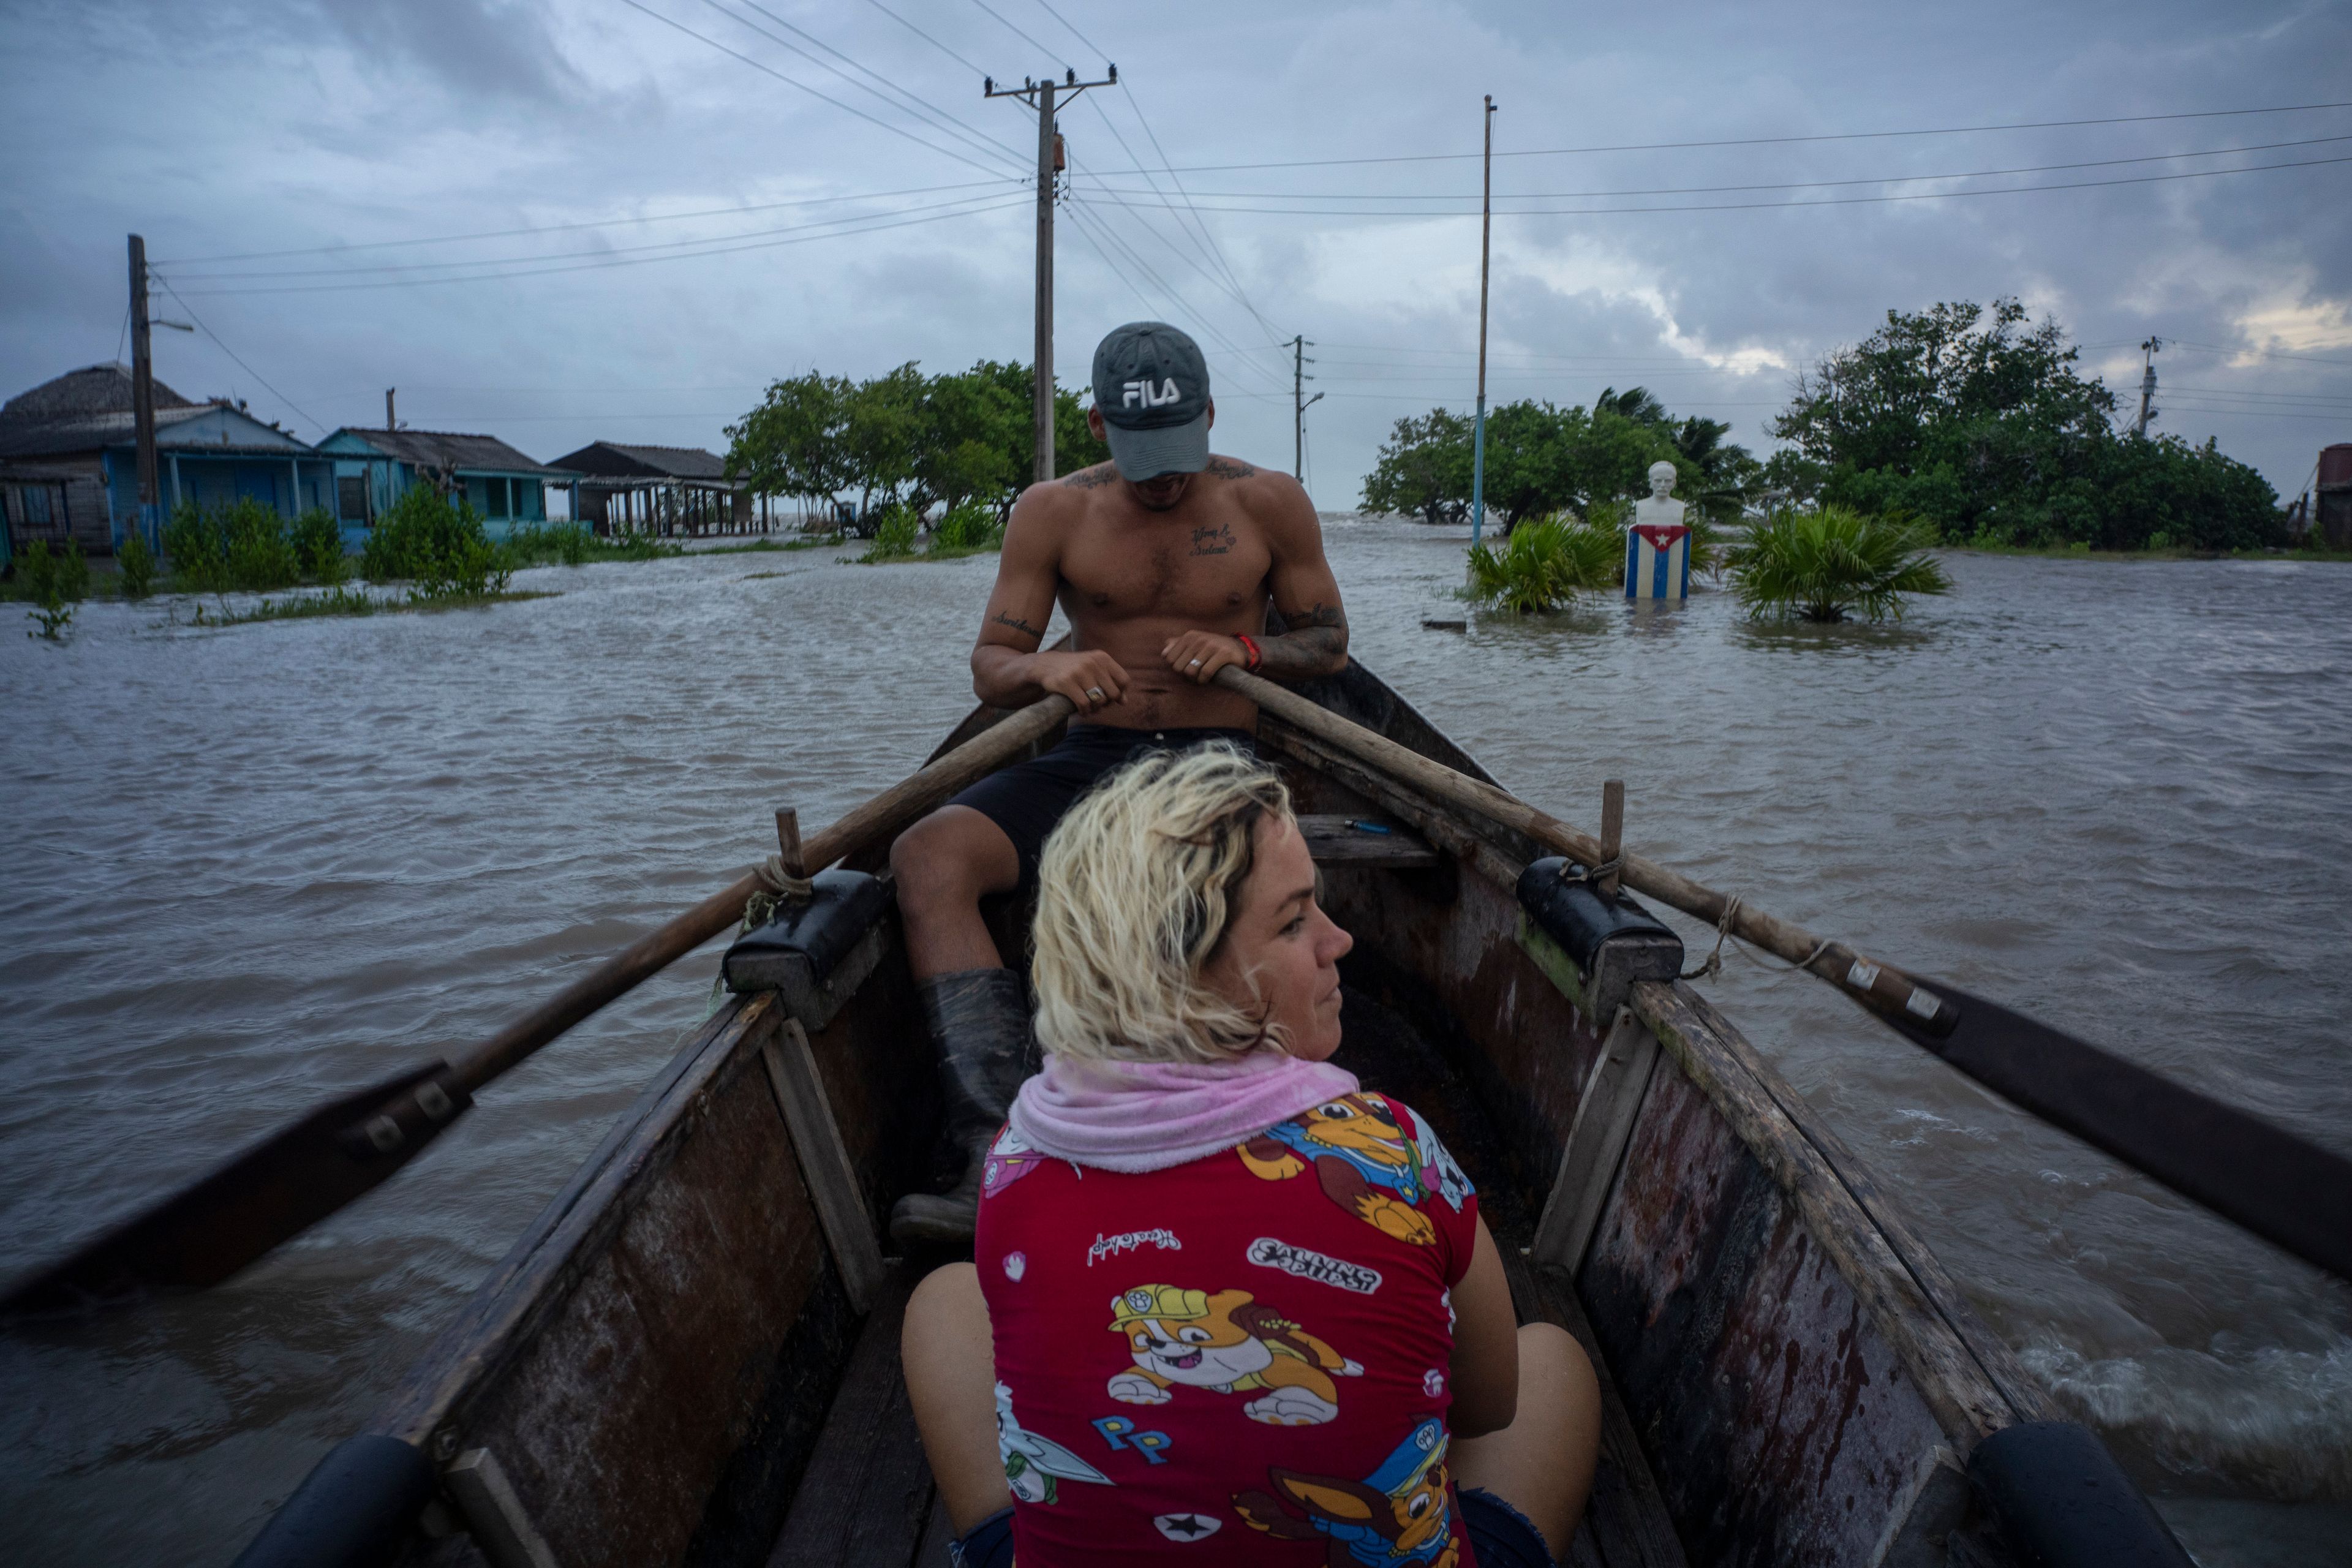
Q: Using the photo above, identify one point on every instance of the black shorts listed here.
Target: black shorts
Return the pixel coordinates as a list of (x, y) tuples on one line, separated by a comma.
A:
[(1028, 798)]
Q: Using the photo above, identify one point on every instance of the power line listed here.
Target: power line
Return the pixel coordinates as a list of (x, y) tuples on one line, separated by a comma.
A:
[(813, 92), (1750, 140), (971, 135), (680, 245), (927, 37), (1170, 290), (719, 249), (2258, 353), (1776, 185), (1165, 288), (1049, 53), (232, 354), (1072, 31), (586, 223), (1136, 104), (1820, 202), (1175, 295), (1213, 280)]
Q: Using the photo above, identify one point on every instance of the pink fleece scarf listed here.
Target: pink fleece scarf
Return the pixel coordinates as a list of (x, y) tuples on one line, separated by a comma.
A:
[(1148, 1116)]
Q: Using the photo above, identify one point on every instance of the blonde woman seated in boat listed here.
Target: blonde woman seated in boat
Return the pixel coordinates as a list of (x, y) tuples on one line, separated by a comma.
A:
[(1222, 1293)]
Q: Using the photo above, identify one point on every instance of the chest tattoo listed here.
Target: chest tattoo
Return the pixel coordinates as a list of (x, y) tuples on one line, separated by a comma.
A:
[(1217, 540)]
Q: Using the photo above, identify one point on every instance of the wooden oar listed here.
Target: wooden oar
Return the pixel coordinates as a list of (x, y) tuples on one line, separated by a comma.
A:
[(304, 1172), (2274, 1183)]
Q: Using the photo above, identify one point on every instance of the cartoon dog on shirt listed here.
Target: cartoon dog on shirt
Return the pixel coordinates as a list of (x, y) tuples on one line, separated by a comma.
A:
[(1398, 1514), (1365, 1164), (1229, 1343)]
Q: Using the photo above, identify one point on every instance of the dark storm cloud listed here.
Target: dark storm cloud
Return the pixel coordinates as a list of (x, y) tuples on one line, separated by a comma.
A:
[(220, 132), (493, 50)]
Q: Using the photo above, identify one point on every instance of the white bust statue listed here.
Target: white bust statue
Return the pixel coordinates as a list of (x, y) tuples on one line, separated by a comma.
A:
[(1659, 506)]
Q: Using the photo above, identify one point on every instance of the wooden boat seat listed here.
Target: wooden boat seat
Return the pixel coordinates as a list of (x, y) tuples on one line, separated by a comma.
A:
[(1366, 840)]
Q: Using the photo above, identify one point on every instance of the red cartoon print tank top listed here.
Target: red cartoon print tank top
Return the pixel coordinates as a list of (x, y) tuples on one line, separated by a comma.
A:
[(1242, 1359)]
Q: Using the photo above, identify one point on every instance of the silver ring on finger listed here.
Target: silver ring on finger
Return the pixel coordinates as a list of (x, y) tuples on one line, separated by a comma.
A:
[(1096, 692), (1196, 664)]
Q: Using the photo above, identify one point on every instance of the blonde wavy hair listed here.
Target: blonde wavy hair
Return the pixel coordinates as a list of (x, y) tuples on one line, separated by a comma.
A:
[(1136, 888)]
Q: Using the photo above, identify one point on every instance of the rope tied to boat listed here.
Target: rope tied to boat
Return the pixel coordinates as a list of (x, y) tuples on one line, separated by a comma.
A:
[(778, 888), (1608, 868), (1713, 964)]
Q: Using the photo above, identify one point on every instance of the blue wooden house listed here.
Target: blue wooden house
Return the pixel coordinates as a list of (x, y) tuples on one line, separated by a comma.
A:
[(373, 468), (69, 460)]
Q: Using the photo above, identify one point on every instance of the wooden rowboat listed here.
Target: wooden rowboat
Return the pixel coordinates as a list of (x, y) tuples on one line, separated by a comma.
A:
[(691, 1356)]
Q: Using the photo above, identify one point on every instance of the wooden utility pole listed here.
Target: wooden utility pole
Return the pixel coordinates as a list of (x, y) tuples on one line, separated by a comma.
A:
[(1478, 434), (142, 393), (1299, 404), (390, 423), (1042, 96)]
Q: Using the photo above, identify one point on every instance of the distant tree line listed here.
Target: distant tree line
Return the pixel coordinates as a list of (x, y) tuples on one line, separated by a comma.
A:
[(904, 442), (1967, 421), (1977, 423), (1542, 459)]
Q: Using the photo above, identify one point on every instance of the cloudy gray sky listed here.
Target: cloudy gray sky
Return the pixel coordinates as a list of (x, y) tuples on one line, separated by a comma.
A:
[(693, 224)]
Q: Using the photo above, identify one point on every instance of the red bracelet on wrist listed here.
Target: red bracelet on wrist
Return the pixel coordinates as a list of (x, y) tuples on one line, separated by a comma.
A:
[(1255, 658)]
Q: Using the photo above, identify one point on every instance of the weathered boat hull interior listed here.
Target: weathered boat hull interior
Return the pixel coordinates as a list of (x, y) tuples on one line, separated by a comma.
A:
[(692, 1355)]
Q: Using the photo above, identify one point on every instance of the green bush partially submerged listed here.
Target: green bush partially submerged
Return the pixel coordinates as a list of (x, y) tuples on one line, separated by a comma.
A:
[(1821, 564), (55, 580), (1541, 565), (439, 546)]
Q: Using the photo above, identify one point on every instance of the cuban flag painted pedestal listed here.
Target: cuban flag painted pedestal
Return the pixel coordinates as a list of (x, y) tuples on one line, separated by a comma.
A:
[(1657, 561)]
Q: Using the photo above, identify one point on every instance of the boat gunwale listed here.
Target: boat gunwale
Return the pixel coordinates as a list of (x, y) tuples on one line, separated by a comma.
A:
[(538, 1276), (1898, 1282)]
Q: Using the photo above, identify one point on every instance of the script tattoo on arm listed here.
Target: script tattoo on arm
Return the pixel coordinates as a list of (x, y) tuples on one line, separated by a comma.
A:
[(1228, 468), (1091, 479), (1006, 618), (1315, 644)]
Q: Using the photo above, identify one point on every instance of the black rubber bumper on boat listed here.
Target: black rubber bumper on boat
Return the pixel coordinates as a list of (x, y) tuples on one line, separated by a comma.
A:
[(353, 1511), (2064, 1502)]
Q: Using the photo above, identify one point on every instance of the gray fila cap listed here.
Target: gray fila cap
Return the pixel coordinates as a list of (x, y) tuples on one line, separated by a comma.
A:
[(1152, 386)]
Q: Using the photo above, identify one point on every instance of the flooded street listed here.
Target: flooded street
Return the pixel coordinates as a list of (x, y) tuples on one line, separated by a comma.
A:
[(248, 868)]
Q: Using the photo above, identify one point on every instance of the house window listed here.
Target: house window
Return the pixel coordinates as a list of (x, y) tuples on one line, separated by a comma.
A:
[(497, 507), (528, 500), (350, 498), (33, 505)]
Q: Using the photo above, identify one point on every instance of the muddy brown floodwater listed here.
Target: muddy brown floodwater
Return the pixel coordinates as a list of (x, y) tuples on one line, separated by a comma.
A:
[(245, 869)]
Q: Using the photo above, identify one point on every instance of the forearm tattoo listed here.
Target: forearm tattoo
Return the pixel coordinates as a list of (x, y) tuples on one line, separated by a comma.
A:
[(1315, 644), (1007, 618)]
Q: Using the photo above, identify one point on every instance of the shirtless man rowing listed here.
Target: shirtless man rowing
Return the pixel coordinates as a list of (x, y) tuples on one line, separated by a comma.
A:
[(1164, 559)]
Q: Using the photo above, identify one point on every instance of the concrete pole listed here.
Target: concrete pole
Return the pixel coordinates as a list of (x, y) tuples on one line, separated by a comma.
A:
[(1044, 391), (1478, 433)]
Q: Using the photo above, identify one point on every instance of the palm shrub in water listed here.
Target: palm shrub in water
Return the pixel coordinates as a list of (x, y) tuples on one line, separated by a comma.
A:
[(1824, 563), (1540, 565)]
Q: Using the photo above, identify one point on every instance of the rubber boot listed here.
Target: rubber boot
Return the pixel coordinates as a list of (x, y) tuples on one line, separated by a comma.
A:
[(979, 1020)]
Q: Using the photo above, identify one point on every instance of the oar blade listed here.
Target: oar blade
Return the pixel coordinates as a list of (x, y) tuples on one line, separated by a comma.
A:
[(2281, 1187), (276, 1189)]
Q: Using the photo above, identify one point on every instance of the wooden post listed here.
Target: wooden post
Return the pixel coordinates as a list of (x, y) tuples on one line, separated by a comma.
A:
[(1612, 831), (788, 840)]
